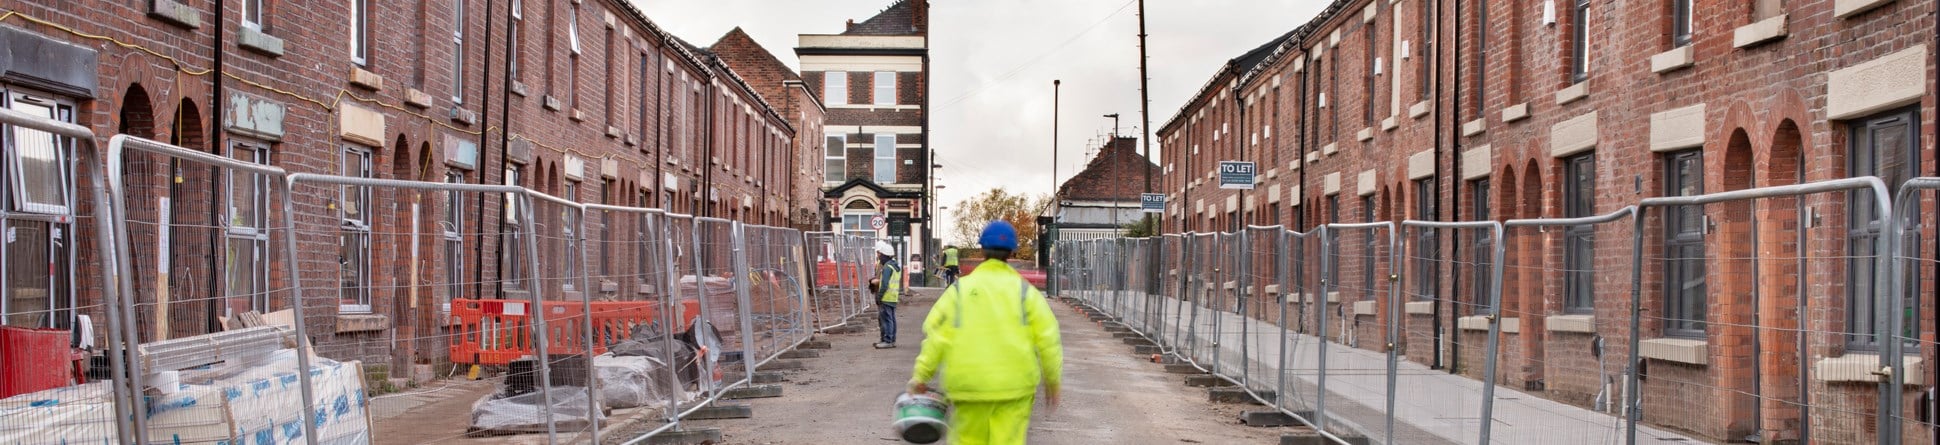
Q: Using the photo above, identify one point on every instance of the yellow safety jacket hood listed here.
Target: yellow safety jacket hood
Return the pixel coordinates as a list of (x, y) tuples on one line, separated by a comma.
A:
[(995, 334)]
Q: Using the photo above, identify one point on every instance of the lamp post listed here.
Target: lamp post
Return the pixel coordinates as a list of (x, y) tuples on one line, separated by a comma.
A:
[(1050, 223)]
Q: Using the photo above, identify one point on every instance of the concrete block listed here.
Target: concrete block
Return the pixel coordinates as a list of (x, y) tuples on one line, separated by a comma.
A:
[(1182, 368), (1314, 438), (801, 353), (1235, 395), (753, 392), (760, 377), (1207, 381), (1145, 350), (1266, 419), (687, 437), (815, 344), (723, 412), (783, 365), (1138, 341), (1125, 334)]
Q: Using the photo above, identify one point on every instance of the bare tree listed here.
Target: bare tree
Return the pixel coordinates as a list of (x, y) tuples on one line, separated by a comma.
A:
[(1019, 209)]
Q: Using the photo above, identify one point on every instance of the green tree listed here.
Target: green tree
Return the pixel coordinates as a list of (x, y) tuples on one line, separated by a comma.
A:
[(1019, 209)]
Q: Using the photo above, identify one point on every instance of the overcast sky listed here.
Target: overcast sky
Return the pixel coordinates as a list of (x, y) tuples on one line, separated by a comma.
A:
[(992, 63)]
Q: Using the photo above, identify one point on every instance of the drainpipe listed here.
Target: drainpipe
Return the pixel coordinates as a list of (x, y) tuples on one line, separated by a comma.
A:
[(1441, 182), (485, 116), (705, 202), (1455, 189), (215, 137), (504, 162)]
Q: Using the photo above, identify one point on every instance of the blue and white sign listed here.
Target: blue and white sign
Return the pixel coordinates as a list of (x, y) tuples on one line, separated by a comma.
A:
[(1237, 175), (1151, 203)]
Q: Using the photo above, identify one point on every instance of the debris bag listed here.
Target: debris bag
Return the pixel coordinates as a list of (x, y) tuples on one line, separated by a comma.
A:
[(525, 413), (652, 344), (631, 381)]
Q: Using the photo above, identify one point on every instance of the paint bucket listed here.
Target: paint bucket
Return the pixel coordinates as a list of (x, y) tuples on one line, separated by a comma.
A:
[(920, 418)]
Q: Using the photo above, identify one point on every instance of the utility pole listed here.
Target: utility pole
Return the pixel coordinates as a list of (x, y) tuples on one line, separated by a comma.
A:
[(1144, 111)]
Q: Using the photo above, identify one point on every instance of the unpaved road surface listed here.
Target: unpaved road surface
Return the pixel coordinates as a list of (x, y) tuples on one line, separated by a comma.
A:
[(1110, 397)]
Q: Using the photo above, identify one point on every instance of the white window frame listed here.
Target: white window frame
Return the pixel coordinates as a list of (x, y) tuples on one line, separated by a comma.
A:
[(252, 14), (840, 143), (835, 88), (54, 148), (355, 232), (452, 233), (885, 88), (360, 32), (512, 240), (885, 152), (572, 27), (458, 52), (60, 297), (252, 232)]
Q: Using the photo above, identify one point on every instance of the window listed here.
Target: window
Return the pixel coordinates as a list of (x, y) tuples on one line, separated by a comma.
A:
[(458, 51), (353, 241), (613, 81), (646, 73), (512, 241), (1427, 242), (1367, 88), (572, 27), (1482, 48), (1684, 297), (1680, 22), (835, 158), (452, 231), (1333, 89), (835, 88), (1421, 46), (885, 158), (1579, 194), (885, 88), (1580, 41), (252, 14), (859, 223), (37, 256), (572, 64), (1884, 145), (1483, 250), (359, 32), (607, 195), (568, 242), (1368, 252), (518, 42), (246, 235)]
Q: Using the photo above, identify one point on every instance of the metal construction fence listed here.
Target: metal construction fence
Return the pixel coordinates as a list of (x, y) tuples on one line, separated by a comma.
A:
[(1778, 314), (202, 298)]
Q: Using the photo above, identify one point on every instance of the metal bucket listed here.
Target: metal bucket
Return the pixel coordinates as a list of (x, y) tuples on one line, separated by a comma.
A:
[(922, 418)]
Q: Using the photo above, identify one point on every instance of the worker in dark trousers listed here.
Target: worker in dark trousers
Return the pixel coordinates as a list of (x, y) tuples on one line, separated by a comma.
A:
[(888, 285)]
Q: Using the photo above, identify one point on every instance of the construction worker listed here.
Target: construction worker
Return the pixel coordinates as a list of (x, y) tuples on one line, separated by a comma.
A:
[(950, 270), (888, 285), (997, 336)]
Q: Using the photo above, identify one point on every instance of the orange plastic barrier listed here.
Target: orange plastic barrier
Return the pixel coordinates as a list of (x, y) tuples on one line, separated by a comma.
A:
[(832, 274), (496, 332)]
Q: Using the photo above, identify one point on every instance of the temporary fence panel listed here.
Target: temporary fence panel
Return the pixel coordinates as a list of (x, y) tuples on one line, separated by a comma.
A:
[(1441, 389), (1918, 264), (1793, 294)]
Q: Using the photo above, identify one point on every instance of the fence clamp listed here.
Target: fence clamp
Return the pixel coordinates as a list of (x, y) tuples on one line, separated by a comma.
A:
[(1884, 372), (1394, 277)]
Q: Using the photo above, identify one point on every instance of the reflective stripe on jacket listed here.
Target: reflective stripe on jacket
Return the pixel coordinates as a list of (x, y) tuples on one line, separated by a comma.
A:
[(997, 336), (891, 282)]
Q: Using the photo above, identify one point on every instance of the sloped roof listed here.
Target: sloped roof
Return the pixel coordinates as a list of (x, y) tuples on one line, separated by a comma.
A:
[(1114, 175), (896, 20)]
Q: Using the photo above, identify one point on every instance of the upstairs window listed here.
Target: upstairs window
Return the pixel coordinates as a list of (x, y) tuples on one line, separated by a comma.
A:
[(359, 32), (835, 161), (835, 88), (885, 158), (1680, 22), (885, 88), (1579, 41), (252, 14)]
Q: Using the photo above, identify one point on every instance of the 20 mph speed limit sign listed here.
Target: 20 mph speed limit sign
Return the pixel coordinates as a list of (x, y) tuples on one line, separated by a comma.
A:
[(877, 222)]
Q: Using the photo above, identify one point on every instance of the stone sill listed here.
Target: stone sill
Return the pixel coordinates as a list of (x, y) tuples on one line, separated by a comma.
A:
[(1571, 323), (1759, 32), (1364, 307), (1364, 135), (1573, 93), (577, 116), (464, 116), (366, 79), (612, 132), (1510, 325), (1419, 308), (175, 13), (1515, 112), (1418, 110), (1389, 124), (1328, 149), (1678, 350), (552, 103), (519, 89), (1272, 289), (1859, 368), (1332, 297), (417, 98), (362, 322), (1673, 60), (1475, 127), (255, 40), (1848, 8)]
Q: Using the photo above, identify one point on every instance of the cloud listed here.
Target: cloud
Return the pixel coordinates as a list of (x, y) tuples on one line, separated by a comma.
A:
[(993, 62)]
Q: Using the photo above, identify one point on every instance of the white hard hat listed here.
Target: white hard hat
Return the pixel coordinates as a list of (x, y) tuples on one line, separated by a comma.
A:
[(885, 249)]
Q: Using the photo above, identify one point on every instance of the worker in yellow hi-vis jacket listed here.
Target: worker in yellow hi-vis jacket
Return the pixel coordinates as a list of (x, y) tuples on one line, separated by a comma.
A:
[(999, 340)]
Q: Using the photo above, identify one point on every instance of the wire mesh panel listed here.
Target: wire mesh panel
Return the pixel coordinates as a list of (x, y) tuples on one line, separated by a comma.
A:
[(774, 274), (1561, 354), (831, 302), (1258, 310), (1918, 260), (1298, 375), (1362, 328), (1446, 306)]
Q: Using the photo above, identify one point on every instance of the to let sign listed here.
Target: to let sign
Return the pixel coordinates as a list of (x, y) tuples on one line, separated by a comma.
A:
[(1236, 175), (1151, 203)]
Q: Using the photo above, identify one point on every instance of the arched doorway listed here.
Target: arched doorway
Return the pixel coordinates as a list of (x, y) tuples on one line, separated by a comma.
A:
[(1781, 285), (1530, 296), (190, 304), (1735, 297)]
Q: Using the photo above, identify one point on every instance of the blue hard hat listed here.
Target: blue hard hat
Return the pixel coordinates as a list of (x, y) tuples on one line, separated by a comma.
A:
[(999, 235)]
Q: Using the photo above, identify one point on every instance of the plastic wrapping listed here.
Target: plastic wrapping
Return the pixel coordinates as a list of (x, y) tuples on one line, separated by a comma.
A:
[(631, 381), (248, 403), (524, 413)]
